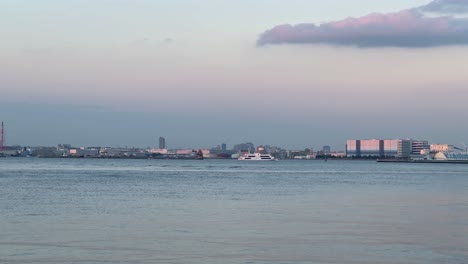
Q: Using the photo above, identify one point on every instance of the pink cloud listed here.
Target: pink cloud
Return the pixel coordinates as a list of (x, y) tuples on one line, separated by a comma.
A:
[(408, 28)]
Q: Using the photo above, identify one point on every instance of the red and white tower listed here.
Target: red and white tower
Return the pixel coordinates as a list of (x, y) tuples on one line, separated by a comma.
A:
[(2, 138)]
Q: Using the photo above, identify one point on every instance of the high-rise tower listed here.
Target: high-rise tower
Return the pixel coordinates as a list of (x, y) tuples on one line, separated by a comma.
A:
[(162, 143), (2, 138)]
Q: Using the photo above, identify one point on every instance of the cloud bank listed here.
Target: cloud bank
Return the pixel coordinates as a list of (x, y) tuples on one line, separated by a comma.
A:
[(410, 28), (446, 7)]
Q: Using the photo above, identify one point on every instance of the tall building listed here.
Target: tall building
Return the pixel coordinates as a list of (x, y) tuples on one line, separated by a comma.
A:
[(2, 137), (223, 147), (390, 148), (353, 148), (404, 148), (371, 147), (162, 143), (326, 150)]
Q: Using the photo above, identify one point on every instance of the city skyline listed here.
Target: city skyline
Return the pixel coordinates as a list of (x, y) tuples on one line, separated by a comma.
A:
[(374, 145), (203, 73)]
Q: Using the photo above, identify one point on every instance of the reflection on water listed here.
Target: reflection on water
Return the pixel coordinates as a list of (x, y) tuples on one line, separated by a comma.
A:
[(155, 211)]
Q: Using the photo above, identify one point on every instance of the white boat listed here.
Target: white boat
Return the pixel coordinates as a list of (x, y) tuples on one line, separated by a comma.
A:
[(257, 156)]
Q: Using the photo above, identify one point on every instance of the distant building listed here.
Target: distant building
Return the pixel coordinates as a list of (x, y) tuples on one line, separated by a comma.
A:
[(390, 147), (441, 148), (377, 148), (418, 145), (63, 146), (83, 152), (244, 148), (404, 148), (338, 154), (162, 143), (353, 148), (364, 148), (277, 152), (326, 150), (157, 151), (205, 152), (184, 151), (223, 147), (372, 147)]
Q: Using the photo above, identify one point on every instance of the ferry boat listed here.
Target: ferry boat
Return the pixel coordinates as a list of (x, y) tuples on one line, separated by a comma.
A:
[(257, 156)]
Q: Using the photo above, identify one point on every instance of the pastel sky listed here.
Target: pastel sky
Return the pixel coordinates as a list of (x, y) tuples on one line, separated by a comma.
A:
[(293, 73)]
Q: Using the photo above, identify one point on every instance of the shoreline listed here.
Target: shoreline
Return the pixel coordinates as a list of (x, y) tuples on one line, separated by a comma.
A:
[(426, 161)]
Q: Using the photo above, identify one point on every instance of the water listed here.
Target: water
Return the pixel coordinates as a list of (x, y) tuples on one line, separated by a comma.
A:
[(215, 211)]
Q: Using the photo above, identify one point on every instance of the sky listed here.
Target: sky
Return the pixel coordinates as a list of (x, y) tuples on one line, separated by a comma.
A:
[(295, 73)]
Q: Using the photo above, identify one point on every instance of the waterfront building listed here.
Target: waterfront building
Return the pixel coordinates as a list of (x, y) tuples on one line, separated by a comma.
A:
[(119, 152), (404, 148), (353, 148), (224, 147), (157, 151), (82, 152), (418, 145), (390, 148), (184, 151), (162, 143), (338, 154), (378, 148), (441, 148), (451, 156), (371, 147)]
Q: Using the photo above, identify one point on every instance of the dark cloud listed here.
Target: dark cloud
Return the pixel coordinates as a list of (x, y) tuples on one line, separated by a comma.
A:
[(446, 7), (408, 28)]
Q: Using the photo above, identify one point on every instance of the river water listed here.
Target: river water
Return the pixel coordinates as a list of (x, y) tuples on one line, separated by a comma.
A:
[(229, 211)]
